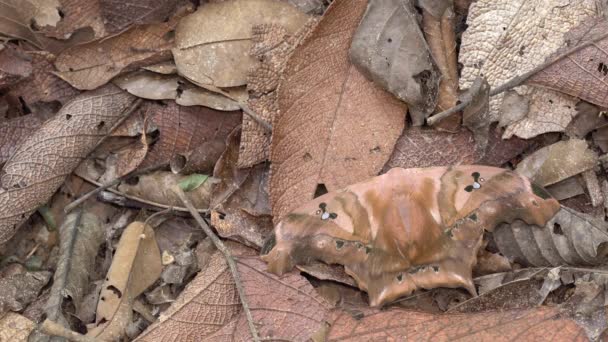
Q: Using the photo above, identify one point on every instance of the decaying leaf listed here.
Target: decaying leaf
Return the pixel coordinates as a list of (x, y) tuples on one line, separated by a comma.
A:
[(241, 210), (476, 116), (35, 170), (13, 131), (77, 15), (212, 44), (409, 228), (587, 119), (14, 327), (156, 187), (557, 162), (506, 38), (582, 74), (336, 127), (14, 65), (135, 266), (90, 65), (389, 47), (19, 289), (567, 188), (119, 15), (202, 159), (15, 18), (569, 238)]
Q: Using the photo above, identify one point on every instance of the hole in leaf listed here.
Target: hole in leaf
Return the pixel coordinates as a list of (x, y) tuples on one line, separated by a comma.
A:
[(61, 14), (100, 125), (400, 277), (116, 291), (320, 190), (390, 40), (24, 107), (68, 117), (436, 268), (557, 229), (103, 298), (307, 157), (339, 244)]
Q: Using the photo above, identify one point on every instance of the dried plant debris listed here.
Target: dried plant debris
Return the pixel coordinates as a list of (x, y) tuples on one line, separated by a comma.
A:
[(587, 119), (321, 112), (212, 45), (15, 18), (557, 162), (476, 115), (14, 65), (584, 73), (368, 227), (389, 48), (14, 327), (569, 238), (567, 188), (13, 131), (20, 288), (35, 171), (507, 38), (136, 265)]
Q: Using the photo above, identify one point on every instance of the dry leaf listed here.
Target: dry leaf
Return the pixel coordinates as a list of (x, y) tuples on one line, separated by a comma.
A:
[(77, 14), (516, 325), (569, 238), (35, 170), (500, 151), (136, 265), (336, 127), (567, 188), (15, 18), (119, 15), (200, 160), (156, 187), (90, 65), (476, 115), (389, 47), (14, 65), (584, 73), (13, 131), (507, 38), (20, 289), (207, 303), (587, 119), (15, 328), (212, 44), (557, 162), (409, 228)]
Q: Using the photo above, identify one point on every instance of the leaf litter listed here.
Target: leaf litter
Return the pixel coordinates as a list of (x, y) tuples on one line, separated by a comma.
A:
[(325, 86)]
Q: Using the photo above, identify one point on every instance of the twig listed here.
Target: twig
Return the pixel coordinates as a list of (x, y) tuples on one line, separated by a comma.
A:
[(160, 213), (229, 259), (111, 183), (515, 81), (54, 329)]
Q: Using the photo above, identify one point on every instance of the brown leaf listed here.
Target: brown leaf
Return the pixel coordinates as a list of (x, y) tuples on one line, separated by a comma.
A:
[(90, 65), (336, 127), (500, 151), (516, 325), (13, 131), (212, 44), (199, 160), (77, 14), (136, 266), (14, 327), (587, 119), (371, 227), (183, 129), (14, 65), (389, 48), (584, 73), (35, 170), (15, 18), (20, 289), (119, 15)]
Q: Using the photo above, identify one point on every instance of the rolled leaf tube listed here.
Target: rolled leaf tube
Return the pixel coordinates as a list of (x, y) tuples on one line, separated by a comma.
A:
[(409, 228)]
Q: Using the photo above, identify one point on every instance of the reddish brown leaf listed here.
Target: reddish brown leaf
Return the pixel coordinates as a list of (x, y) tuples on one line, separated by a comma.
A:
[(184, 128), (519, 325), (77, 14), (36, 169), (13, 131), (119, 14), (584, 73), (336, 127), (90, 65), (14, 65)]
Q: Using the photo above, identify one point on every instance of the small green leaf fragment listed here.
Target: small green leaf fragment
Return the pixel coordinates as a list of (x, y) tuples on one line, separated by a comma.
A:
[(47, 215), (192, 182)]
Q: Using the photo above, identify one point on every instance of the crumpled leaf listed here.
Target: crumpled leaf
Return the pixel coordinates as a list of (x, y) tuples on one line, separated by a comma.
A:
[(15, 328), (336, 127), (19, 289), (409, 228), (35, 170), (154, 86), (212, 44), (584, 73), (77, 15), (389, 48), (136, 265), (557, 162), (294, 313), (14, 65), (13, 131), (569, 238), (90, 65), (207, 303), (241, 210), (507, 38), (15, 17), (513, 325), (156, 187)]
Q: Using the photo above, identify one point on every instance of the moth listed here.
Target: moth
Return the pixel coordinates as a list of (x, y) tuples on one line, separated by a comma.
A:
[(409, 228)]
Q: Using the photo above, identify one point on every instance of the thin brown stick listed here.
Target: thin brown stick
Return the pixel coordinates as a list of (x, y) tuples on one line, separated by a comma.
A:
[(54, 329), (111, 183), (515, 81), (229, 258)]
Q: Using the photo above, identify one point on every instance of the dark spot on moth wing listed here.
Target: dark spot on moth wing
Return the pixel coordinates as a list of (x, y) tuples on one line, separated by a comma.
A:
[(540, 191), (476, 176), (323, 205), (400, 277), (473, 217), (339, 244)]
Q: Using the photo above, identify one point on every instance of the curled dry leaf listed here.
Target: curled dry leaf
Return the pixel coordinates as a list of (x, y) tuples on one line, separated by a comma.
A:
[(389, 47), (90, 65), (14, 327), (409, 228), (507, 38), (584, 73), (569, 238), (336, 127), (212, 44), (557, 162), (156, 187), (14, 65), (35, 171), (13, 131), (136, 266)]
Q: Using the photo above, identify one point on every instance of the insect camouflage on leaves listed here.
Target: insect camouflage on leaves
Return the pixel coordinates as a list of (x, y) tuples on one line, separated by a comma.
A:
[(409, 228)]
